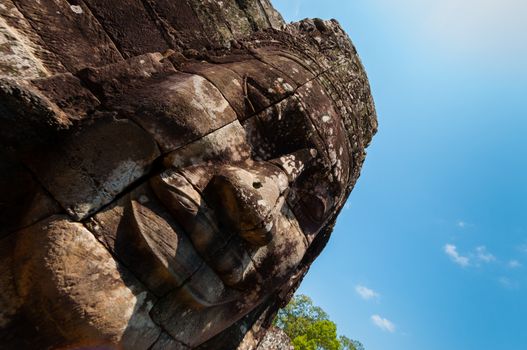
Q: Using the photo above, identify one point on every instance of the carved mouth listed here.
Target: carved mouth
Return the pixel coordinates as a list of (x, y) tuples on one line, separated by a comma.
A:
[(220, 253)]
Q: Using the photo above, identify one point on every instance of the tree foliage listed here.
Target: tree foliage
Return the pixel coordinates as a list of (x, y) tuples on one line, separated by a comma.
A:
[(349, 344), (319, 335), (310, 328)]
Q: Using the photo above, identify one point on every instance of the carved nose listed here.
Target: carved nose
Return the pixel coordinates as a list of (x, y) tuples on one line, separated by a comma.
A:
[(247, 202)]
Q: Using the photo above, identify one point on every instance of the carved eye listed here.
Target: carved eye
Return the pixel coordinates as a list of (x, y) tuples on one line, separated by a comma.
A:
[(312, 199), (281, 129), (311, 211), (315, 207)]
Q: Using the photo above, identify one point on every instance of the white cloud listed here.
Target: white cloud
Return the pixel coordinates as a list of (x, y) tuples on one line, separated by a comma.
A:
[(463, 224), (504, 281), (508, 283), (514, 264), (297, 8), (451, 251), (495, 28), (483, 255), (383, 323), (473, 24), (365, 292)]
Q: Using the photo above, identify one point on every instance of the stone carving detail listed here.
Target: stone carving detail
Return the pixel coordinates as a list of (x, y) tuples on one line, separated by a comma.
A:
[(275, 339), (169, 169)]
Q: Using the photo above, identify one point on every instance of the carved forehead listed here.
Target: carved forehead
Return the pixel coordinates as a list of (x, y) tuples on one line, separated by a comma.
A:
[(256, 83), (320, 51)]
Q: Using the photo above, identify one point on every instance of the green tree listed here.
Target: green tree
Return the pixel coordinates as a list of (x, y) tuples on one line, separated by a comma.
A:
[(298, 316), (309, 327), (358, 345), (348, 344), (320, 335)]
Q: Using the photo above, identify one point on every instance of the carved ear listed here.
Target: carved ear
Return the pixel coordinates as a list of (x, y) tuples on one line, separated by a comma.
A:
[(294, 163)]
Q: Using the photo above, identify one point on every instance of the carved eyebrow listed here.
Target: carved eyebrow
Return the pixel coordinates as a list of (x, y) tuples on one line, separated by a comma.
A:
[(293, 164), (284, 128), (228, 143)]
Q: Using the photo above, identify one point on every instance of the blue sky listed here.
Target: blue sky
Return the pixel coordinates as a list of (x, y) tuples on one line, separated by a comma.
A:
[(431, 252)]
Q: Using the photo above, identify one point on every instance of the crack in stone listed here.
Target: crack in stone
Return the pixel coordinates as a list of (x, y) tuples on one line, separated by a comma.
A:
[(161, 24)]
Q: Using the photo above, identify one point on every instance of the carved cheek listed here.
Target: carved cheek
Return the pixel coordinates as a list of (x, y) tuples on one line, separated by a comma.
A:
[(278, 259)]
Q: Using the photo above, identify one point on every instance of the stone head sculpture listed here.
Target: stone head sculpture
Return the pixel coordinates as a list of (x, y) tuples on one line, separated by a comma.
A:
[(170, 170)]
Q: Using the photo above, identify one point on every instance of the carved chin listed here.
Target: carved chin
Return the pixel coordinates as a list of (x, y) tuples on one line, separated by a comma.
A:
[(72, 286)]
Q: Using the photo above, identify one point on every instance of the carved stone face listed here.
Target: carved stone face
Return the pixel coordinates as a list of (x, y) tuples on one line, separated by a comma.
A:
[(188, 193)]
